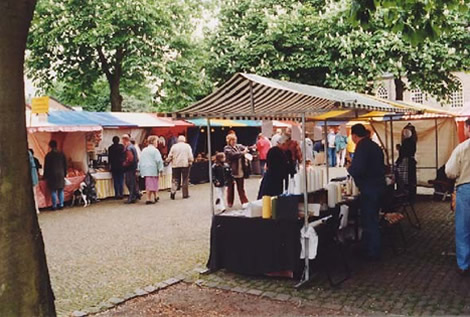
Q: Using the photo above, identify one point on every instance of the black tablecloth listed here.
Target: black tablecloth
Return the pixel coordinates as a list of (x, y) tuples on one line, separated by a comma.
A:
[(254, 245), (199, 173)]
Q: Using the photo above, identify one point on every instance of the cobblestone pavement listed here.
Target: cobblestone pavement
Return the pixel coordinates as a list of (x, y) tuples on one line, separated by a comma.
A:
[(110, 249), (421, 281)]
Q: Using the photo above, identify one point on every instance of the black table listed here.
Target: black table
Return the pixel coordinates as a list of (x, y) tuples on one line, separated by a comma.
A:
[(254, 246)]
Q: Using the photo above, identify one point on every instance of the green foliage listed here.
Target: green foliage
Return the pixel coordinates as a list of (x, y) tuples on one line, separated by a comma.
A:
[(297, 41), (415, 20), (77, 43)]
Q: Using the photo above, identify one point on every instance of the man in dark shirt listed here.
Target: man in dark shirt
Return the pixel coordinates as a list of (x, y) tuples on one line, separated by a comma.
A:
[(130, 169), (368, 170), (116, 158)]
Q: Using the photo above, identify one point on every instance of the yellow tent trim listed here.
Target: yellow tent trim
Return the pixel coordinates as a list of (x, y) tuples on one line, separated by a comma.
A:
[(331, 114)]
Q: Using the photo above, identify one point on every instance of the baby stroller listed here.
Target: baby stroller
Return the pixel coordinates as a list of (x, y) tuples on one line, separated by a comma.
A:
[(90, 189)]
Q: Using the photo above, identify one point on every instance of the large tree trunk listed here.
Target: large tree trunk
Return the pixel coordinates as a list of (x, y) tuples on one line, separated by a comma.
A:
[(115, 95), (399, 89), (25, 289)]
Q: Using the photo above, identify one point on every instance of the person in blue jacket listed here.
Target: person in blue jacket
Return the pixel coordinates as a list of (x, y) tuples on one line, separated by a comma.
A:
[(368, 170)]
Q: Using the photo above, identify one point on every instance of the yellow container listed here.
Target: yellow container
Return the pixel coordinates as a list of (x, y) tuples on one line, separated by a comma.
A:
[(267, 207)]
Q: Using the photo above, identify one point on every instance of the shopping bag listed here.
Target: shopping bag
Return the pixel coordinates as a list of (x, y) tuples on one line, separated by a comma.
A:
[(287, 207)]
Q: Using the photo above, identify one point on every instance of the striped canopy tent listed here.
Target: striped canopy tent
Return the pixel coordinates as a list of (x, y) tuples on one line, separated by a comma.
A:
[(247, 96)]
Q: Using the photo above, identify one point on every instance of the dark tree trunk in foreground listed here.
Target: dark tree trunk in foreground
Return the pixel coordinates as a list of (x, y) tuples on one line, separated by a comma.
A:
[(115, 95), (113, 74), (399, 89), (25, 288)]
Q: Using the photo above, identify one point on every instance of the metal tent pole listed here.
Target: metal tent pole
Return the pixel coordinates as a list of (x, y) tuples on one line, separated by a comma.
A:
[(209, 150), (326, 153), (437, 145), (392, 143), (304, 159)]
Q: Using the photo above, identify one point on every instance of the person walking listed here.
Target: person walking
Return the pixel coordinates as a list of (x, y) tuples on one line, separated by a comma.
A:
[(368, 171), (458, 167), (150, 167), (130, 168), (293, 152), (116, 159), (350, 148), (181, 158), (55, 170), (331, 138), (309, 148), (235, 155), (262, 146), (34, 177), (221, 177), (341, 142)]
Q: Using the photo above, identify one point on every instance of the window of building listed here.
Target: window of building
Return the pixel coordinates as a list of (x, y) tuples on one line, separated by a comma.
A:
[(382, 92), (416, 95), (456, 98)]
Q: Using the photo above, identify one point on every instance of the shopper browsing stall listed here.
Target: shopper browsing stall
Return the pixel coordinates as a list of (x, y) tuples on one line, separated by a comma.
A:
[(130, 168), (55, 170), (368, 171), (262, 146), (331, 138), (293, 152), (276, 171), (116, 158), (150, 167)]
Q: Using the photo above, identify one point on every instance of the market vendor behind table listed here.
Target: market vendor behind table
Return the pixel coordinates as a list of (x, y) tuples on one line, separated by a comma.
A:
[(368, 170)]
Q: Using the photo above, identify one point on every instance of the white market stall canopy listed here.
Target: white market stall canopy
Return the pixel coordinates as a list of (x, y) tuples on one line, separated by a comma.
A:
[(253, 96)]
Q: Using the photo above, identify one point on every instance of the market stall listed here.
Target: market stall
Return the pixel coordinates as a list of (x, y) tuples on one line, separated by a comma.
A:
[(247, 96), (72, 136), (139, 126)]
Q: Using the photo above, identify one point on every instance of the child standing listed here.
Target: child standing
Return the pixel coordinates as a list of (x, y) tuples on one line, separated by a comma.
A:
[(221, 177)]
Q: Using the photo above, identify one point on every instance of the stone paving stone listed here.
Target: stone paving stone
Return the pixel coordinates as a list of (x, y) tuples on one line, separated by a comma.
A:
[(171, 281), (255, 292), (282, 297), (239, 289), (106, 305), (93, 310), (129, 296), (269, 294), (140, 292), (150, 289), (78, 313), (161, 285), (116, 300)]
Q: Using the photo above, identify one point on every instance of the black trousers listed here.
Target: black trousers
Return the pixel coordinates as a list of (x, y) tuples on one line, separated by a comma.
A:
[(131, 183), (178, 174)]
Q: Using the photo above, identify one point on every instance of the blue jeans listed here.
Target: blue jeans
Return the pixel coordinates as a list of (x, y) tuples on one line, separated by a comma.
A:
[(370, 205), (118, 180), (262, 164), (332, 156), (54, 198), (462, 226)]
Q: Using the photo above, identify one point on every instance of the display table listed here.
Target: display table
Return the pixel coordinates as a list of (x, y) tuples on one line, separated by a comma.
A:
[(105, 186), (254, 245), (43, 195), (199, 173)]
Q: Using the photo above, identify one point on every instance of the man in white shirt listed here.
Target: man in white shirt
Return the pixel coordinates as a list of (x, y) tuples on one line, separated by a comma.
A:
[(458, 168), (181, 158), (275, 138), (308, 147)]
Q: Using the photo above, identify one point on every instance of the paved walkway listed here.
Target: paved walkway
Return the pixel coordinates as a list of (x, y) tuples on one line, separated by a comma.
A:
[(110, 249), (421, 281)]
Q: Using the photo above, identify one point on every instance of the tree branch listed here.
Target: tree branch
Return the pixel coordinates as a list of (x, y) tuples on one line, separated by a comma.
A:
[(104, 64)]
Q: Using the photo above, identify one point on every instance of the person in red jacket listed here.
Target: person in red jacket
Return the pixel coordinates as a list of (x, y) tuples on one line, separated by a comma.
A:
[(263, 145)]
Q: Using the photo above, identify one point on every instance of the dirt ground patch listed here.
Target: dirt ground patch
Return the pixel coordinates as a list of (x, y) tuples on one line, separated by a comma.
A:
[(191, 300)]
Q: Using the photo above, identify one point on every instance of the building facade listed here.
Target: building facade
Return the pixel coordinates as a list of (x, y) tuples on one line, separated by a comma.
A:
[(458, 103)]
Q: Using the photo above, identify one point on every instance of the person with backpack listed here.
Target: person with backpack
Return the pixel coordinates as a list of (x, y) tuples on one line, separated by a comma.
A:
[(130, 168)]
